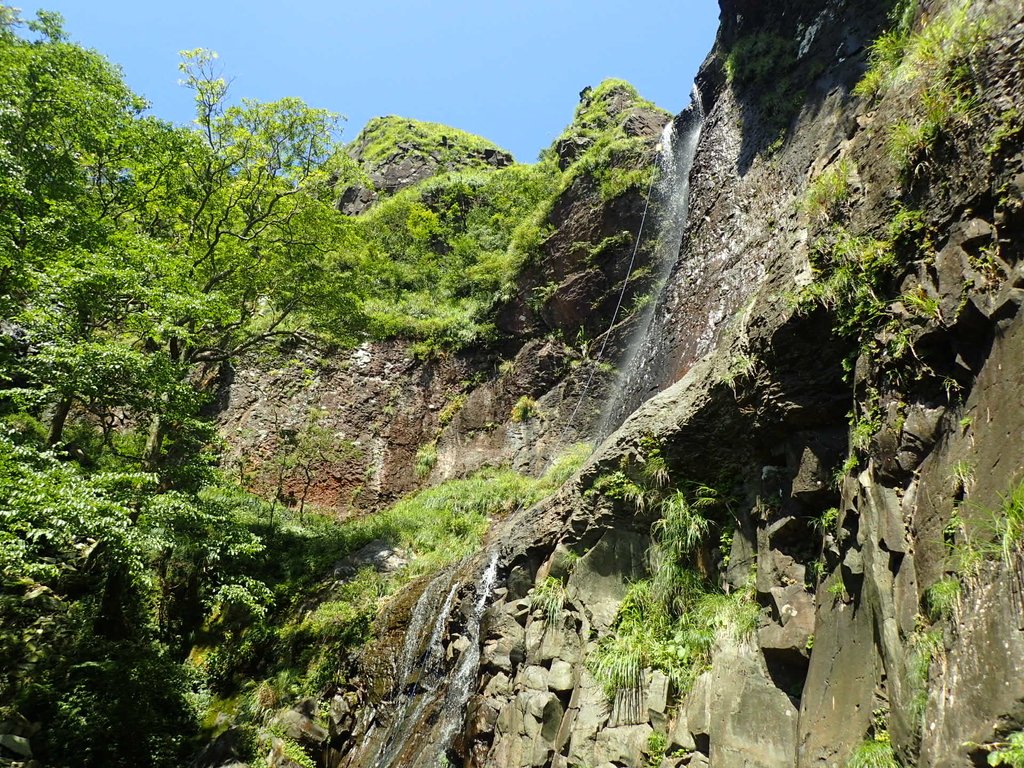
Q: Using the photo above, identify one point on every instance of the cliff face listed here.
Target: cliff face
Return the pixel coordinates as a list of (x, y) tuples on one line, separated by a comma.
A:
[(411, 419), (839, 355)]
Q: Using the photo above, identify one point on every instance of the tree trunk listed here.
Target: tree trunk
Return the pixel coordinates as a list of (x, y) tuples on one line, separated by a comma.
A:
[(58, 420), (154, 442)]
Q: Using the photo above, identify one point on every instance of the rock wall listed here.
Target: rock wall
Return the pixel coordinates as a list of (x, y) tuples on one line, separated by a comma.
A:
[(409, 422), (773, 391)]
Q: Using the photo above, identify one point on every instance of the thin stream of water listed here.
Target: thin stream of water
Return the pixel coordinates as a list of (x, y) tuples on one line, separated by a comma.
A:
[(421, 673), (640, 365)]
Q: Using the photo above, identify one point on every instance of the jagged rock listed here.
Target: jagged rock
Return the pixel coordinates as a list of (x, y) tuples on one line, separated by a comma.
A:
[(298, 723), (680, 737), (526, 729), (622, 745), (753, 724), (599, 579), (658, 698), (561, 676)]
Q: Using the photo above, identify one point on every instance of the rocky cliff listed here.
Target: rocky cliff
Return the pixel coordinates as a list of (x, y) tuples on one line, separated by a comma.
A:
[(806, 548)]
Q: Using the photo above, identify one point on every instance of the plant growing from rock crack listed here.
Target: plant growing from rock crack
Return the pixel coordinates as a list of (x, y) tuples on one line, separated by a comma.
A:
[(548, 597), (426, 458), (524, 409), (942, 599), (1010, 525), (874, 753), (939, 62), (925, 647), (826, 194)]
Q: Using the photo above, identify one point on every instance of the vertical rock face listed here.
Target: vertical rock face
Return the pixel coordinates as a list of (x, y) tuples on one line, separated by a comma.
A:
[(869, 433)]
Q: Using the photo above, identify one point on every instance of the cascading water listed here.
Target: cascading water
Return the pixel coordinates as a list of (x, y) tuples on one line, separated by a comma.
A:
[(641, 364), (425, 688), (419, 669), (461, 686)]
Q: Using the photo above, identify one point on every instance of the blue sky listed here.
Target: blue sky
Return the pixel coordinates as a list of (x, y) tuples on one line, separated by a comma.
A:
[(509, 70)]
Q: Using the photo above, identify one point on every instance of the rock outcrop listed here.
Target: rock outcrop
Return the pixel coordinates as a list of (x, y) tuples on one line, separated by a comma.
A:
[(867, 427)]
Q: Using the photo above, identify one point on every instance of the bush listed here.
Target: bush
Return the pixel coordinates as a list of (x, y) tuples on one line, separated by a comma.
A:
[(876, 753), (940, 62), (426, 458), (827, 193), (524, 409), (548, 597)]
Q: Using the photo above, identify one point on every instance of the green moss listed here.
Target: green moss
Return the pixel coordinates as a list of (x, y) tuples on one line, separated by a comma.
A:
[(384, 137)]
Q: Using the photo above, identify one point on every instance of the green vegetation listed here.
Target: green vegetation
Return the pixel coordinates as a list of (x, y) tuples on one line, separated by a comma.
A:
[(385, 136), (525, 408), (426, 458), (680, 642), (827, 193), (939, 62), (657, 746), (942, 599), (673, 620), (1010, 525), (850, 274), (548, 597), (925, 647), (618, 161), (1009, 752), (438, 255), (875, 753), (887, 51)]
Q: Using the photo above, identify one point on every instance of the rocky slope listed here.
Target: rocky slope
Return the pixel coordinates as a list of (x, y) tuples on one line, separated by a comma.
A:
[(839, 353)]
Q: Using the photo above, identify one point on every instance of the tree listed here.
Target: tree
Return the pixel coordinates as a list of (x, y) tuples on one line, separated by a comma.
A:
[(310, 451)]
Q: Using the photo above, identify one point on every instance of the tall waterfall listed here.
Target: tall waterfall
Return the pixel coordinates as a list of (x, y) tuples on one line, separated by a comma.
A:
[(641, 365)]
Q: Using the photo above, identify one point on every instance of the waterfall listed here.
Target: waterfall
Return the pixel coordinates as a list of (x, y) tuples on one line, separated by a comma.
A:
[(641, 364), (425, 688), (414, 691), (461, 686)]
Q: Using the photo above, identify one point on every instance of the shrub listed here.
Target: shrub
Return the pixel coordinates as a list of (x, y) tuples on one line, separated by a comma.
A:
[(524, 409), (426, 458), (548, 597), (1009, 752), (942, 599), (939, 61), (1010, 524), (827, 193), (875, 753), (925, 647)]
